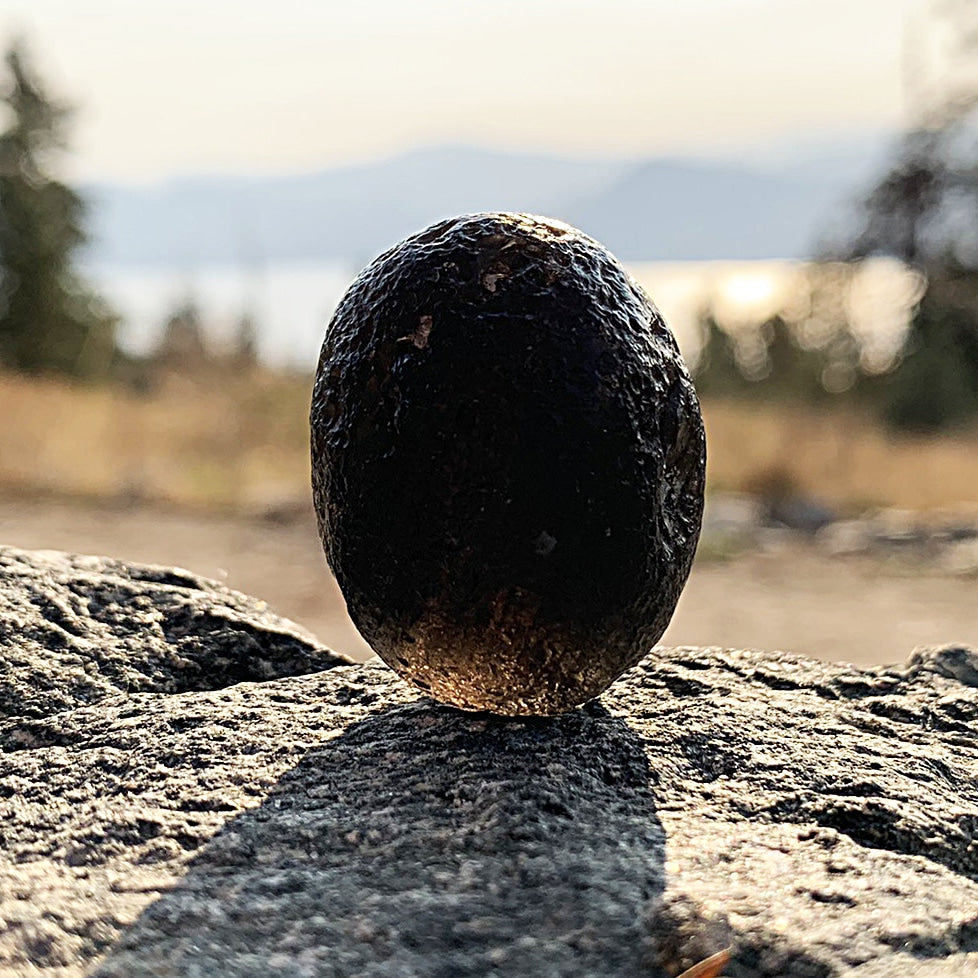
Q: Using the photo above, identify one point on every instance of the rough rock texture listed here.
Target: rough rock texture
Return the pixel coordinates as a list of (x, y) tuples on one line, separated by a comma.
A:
[(508, 463), (75, 629), (819, 818)]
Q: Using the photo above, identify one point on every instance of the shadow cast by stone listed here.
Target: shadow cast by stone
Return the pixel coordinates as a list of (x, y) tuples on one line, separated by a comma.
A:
[(425, 841)]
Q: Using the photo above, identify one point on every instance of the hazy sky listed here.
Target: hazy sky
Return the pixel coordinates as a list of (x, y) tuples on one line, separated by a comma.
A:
[(251, 86)]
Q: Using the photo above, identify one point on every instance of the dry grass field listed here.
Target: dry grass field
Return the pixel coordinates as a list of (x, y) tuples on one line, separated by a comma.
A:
[(212, 475), (221, 440), (238, 441), (838, 457)]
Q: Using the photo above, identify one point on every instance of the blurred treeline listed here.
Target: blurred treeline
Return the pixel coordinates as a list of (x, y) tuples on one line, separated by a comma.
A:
[(50, 320), (923, 212)]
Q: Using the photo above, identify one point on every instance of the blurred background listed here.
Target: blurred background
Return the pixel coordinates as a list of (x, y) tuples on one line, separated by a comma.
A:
[(186, 190)]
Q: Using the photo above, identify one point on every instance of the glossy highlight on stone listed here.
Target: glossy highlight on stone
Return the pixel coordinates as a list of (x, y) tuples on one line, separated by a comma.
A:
[(508, 463)]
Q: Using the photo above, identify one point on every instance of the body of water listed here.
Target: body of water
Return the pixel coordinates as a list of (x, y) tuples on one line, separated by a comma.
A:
[(291, 303)]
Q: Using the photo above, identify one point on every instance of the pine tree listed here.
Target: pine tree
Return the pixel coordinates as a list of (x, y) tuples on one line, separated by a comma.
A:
[(717, 372), (924, 211), (49, 318)]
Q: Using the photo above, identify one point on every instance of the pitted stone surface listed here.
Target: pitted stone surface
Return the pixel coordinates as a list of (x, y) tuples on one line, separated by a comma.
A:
[(819, 818), (508, 463)]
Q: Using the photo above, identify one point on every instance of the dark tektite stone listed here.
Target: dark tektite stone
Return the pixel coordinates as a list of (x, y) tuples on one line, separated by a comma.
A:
[(508, 463)]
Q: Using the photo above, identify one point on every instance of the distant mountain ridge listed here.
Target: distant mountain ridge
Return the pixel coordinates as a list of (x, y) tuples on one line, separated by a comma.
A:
[(657, 209)]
